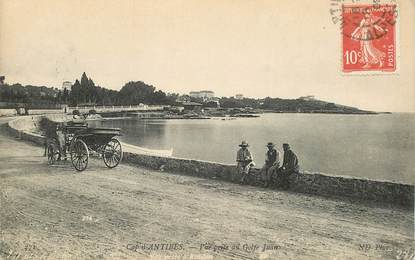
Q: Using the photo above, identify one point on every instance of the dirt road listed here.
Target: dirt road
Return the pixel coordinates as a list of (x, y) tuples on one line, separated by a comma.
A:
[(53, 212)]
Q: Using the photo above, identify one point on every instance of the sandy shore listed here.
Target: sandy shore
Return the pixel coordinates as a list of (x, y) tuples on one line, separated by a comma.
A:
[(53, 212)]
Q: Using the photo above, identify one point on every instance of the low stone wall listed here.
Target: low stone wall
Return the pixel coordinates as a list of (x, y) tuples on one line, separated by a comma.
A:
[(310, 183), (24, 128), (8, 112), (13, 112), (44, 111), (357, 188), (25, 123)]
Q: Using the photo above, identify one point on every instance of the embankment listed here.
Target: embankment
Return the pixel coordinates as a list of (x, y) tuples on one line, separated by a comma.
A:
[(13, 111), (360, 189)]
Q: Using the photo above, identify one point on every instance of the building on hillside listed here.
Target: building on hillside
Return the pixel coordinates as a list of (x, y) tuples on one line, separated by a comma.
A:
[(192, 106), (308, 98), (204, 94), (194, 94), (239, 96), (207, 94), (66, 85), (213, 104), (183, 98)]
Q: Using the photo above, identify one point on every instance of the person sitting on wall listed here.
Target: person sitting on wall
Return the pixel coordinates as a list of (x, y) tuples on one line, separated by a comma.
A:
[(272, 163), (289, 166), (244, 160), (76, 116)]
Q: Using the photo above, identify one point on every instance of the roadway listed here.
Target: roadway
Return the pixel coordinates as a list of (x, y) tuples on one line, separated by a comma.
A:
[(54, 212)]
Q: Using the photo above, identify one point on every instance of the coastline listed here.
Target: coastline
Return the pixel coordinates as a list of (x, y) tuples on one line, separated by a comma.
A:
[(54, 212), (306, 182)]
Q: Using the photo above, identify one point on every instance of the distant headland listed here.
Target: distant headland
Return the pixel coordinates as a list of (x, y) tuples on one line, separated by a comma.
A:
[(197, 104)]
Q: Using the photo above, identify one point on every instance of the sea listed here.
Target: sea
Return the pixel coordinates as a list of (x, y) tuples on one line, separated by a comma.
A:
[(380, 147)]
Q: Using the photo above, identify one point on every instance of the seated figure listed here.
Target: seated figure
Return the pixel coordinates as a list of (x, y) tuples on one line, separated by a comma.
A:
[(289, 167), (244, 161), (272, 163)]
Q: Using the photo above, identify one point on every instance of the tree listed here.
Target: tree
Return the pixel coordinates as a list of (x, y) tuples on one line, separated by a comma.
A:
[(65, 96), (84, 80), (76, 96), (159, 97), (59, 96), (136, 92)]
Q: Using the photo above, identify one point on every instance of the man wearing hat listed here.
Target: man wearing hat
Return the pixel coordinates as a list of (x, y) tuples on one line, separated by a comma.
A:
[(289, 166), (272, 163), (244, 160)]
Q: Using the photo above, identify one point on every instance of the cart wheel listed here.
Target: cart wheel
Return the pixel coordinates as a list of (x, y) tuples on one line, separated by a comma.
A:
[(53, 154), (112, 153), (79, 155)]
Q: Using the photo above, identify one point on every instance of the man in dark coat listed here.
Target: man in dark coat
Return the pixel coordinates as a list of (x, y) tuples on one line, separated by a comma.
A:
[(272, 163), (289, 166)]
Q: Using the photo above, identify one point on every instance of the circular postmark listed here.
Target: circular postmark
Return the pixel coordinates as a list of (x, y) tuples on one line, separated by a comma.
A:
[(364, 21)]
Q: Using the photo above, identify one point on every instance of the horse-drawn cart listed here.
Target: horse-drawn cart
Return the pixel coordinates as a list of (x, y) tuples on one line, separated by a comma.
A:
[(81, 141)]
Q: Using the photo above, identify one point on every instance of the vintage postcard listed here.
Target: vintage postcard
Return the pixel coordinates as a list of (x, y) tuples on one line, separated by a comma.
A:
[(214, 129)]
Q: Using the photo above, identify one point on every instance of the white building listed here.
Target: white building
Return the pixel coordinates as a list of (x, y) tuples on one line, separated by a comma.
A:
[(205, 94), (66, 85), (195, 94), (308, 98), (239, 96)]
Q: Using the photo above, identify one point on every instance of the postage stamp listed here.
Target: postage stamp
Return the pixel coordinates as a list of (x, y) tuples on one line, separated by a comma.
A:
[(369, 37)]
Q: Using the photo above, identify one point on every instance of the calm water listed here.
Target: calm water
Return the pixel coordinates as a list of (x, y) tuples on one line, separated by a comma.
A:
[(373, 146)]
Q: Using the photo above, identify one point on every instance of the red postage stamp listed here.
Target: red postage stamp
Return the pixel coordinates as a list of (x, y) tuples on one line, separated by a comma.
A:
[(369, 37)]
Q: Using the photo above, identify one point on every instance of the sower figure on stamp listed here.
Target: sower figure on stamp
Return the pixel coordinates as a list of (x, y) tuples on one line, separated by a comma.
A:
[(289, 166), (367, 31), (272, 163), (244, 160)]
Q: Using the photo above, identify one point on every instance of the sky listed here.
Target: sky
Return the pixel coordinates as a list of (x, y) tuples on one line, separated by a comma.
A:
[(285, 48)]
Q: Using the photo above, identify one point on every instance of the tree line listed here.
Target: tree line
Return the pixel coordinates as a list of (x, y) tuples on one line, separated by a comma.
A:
[(85, 92), (15, 95)]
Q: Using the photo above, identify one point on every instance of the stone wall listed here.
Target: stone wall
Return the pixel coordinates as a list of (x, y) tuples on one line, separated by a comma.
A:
[(310, 183), (13, 112), (24, 128), (44, 111), (305, 182), (8, 112), (357, 188)]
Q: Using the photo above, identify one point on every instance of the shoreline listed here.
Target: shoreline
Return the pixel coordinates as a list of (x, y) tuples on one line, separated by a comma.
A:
[(305, 182), (215, 162), (167, 116), (229, 117), (241, 115), (55, 212), (229, 164)]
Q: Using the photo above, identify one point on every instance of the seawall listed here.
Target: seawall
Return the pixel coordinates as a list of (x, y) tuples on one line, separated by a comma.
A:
[(13, 111), (360, 189)]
